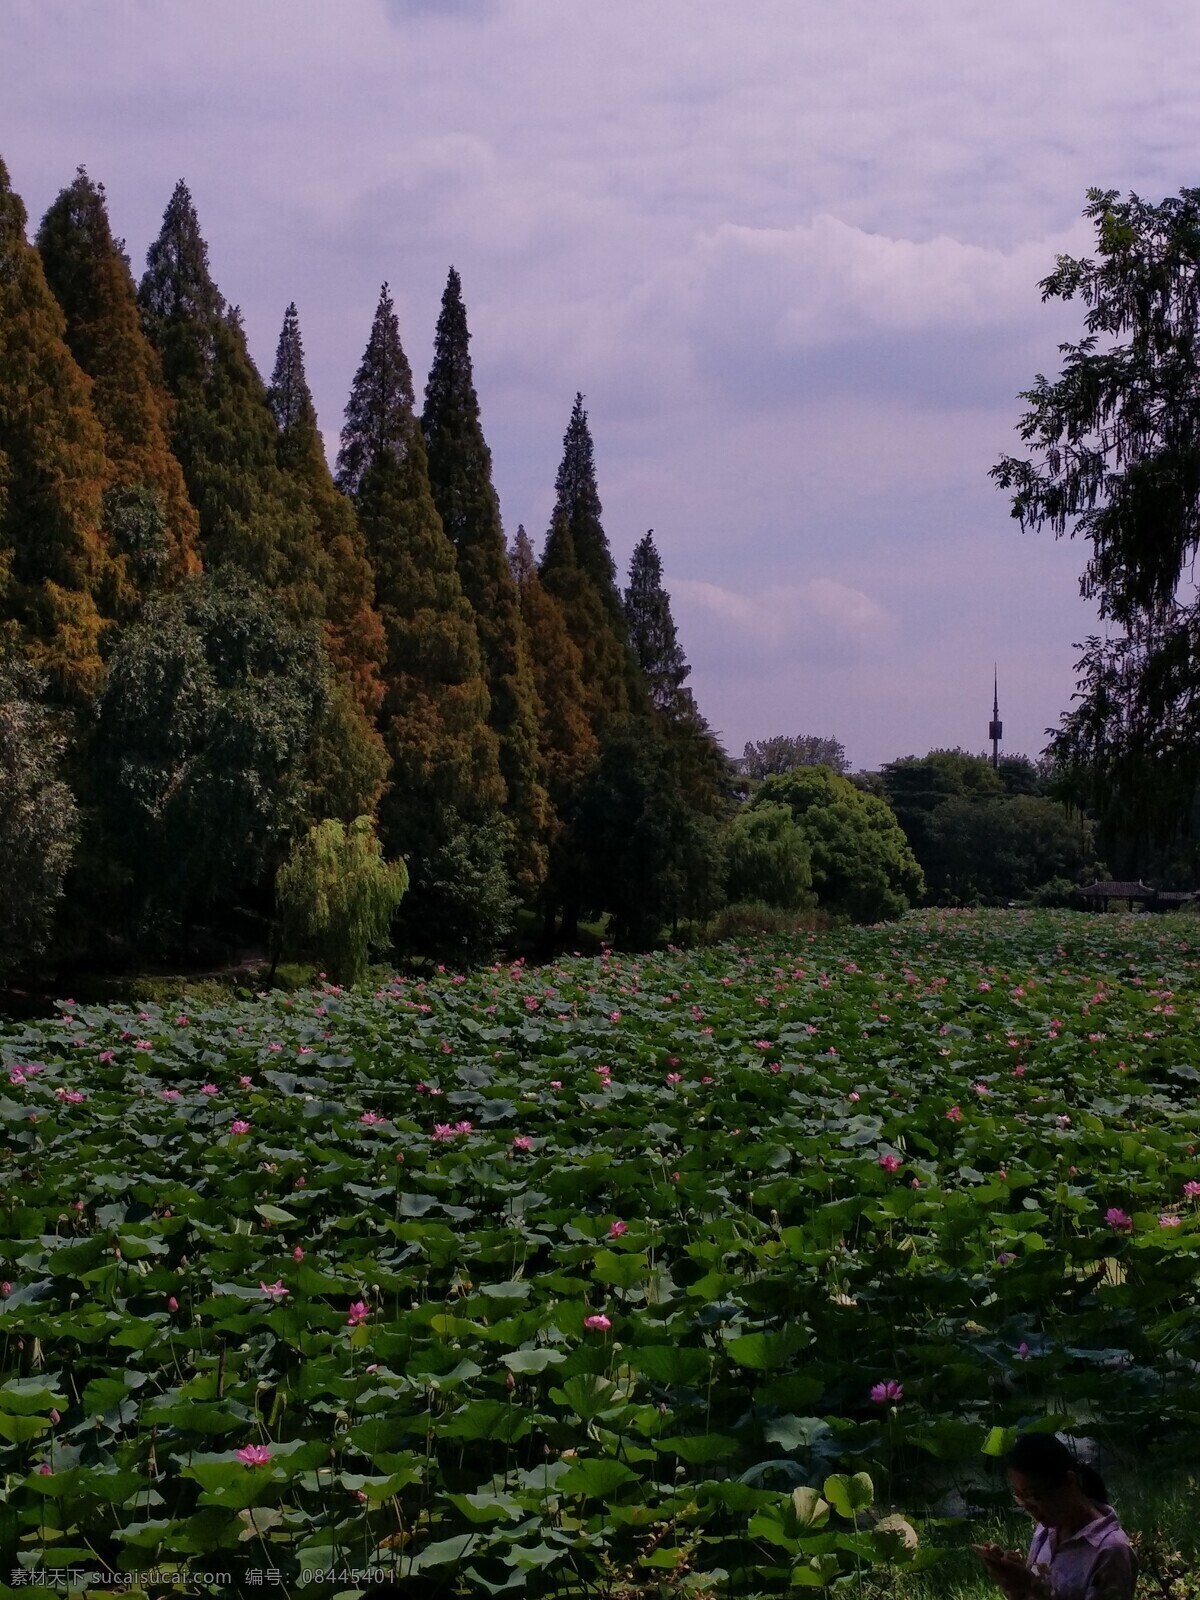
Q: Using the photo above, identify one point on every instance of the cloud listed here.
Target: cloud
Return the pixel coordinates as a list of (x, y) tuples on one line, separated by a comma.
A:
[(814, 619), (401, 11)]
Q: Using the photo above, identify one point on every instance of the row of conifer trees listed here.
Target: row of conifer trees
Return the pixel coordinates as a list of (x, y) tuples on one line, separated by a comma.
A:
[(232, 643)]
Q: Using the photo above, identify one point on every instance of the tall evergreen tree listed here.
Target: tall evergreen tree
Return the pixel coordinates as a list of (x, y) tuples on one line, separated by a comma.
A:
[(253, 515), (577, 568), (566, 744), (54, 561), (577, 497), (460, 476), (152, 526), (350, 751), (656, 647), (434, 718)]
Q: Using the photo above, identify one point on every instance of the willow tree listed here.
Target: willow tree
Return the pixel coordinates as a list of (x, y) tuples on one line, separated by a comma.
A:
[(337, 895), (1115, 461)]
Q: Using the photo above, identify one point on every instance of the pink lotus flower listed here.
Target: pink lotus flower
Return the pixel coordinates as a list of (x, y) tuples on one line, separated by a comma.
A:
[(359, 1312), (522, 1141), (239, 1126), (371, 1117), (254, 1455), (209, 1088), (598, 1321), (274, 1047), (297, 1254), (614, 1016), (106, 1056), (854, 1096), (275, 1291), (616, 1229), (1022, 1351), (170, 1094), (72, 1097), (1118, 1219), (981, 1088), (674, 1077), (45, 1469), (5, 1288), (17, 1077), (556, 1083), (1169, 1221), (889, 1163), (1005, 1257), (172, 1304), (954, 1114), (301, 1181), (1192, 1189), (881, 1393), (246, 1081), (983, 986)]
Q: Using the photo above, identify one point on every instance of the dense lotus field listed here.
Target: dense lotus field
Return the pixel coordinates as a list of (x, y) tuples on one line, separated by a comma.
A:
[(607, 1278)]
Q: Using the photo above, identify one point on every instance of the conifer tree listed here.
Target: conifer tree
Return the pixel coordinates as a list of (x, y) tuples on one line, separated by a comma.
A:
[(577, 568), (578, 499), (656, 646), (566, 743), (434, 718), (152, 526), (253, 516), (54, 560), (350, 750), (460, 476)]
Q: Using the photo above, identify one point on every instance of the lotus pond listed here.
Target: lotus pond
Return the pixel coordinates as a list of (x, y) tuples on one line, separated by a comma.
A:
[(700, 1272)]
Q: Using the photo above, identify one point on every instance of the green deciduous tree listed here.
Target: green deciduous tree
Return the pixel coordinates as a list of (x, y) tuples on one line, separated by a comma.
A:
[(152, 526), (646, 856), (335, 896), (39, 823), (1115, 461), (211, 702), (786, 752), (916, 785), (460, 477), (1000, 849), (767, 858), (55, 567), (862, 866)]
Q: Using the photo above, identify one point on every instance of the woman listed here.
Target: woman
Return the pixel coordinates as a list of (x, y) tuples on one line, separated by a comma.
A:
[(1079, 1550)]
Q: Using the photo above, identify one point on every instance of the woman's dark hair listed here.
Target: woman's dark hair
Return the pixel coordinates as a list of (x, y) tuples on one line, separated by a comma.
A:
[(1046, 1459)]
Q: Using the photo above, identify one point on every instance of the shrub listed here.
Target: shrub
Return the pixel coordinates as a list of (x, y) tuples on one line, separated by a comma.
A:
[(749, 918)]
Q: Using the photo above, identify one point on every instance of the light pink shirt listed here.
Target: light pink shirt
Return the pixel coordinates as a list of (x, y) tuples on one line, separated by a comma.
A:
[(1096, 1563)]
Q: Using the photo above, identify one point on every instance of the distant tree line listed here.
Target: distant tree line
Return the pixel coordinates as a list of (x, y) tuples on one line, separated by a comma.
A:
[(243, 697), (239, 691)]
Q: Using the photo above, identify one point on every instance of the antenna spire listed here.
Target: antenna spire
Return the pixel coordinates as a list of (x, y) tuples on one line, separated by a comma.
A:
[(995, 727)]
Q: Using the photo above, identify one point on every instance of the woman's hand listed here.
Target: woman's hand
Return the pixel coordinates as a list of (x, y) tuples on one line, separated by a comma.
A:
[(1008, 1571)]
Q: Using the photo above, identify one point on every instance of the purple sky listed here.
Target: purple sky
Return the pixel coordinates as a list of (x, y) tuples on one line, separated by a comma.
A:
[(790, 254)]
